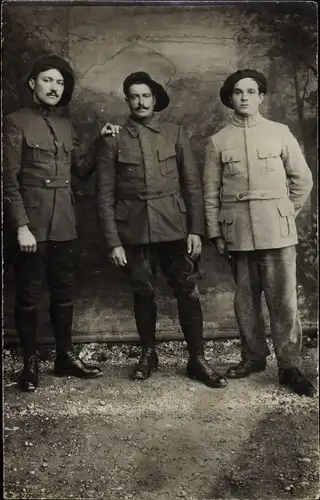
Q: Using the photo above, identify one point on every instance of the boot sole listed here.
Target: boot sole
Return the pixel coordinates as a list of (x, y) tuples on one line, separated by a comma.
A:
[(244, 375), (88, 376), (309, 394), (211, 384), (135, 376)]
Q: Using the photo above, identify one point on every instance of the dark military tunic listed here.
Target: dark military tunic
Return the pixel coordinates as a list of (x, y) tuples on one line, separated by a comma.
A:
[(40, 152)]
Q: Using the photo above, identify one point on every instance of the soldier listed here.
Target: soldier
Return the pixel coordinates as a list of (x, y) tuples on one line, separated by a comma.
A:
[(150, 204), (256, 181), (41, 151)]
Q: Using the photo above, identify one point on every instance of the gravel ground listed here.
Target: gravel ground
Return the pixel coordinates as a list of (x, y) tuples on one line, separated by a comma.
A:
[(163, 439)]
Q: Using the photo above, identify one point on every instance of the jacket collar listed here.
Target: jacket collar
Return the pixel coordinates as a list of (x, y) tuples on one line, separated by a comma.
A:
[(43, 110), (246, 121), (133, 126)]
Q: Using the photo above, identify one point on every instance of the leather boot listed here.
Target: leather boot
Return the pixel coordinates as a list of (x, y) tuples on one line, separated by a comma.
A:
[(29, 377), (191, 321), (26, 320), (66, 362), (145, 313), (245, 368), (148, 363), (293, 378)]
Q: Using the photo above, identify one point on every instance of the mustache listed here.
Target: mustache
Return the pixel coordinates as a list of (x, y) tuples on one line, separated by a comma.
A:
[(142, 107), (53, 93)]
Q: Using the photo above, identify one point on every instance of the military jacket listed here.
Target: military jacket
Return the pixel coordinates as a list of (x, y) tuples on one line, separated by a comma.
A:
[(256, 181), (40, 152), (148, 185)]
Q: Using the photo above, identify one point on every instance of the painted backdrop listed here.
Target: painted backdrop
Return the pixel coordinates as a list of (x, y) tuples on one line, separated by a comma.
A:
[(190, 50)]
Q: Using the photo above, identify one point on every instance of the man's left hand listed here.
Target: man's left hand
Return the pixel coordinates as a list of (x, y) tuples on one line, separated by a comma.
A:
[(110, 129), (194, 245)]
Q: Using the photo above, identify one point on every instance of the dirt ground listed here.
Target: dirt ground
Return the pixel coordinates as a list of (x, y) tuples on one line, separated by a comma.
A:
[(163, 439)]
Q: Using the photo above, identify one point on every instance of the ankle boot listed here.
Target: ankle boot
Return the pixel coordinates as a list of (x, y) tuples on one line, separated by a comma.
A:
[(246, 367), (67, 363), (145, 313), (26, 321), (293, 378), (191, 321), (28, 378), (148, 363)]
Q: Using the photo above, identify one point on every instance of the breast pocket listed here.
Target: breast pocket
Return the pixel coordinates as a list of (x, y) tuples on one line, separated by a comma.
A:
[(167, 160), (269, 157), (232, 160), (38, 149), (128, 164), (67, 148)]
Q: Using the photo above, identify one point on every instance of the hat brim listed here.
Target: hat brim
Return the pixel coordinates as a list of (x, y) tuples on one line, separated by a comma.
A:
[(162, 98)]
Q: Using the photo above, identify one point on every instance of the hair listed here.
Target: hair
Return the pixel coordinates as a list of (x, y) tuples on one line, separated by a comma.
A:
[(261, 88)]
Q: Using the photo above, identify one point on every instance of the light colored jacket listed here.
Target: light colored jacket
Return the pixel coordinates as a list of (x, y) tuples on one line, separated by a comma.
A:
[(256, 181)]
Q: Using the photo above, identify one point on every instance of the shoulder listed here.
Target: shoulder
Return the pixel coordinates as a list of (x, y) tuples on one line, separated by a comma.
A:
[(222, 133), (19, 117), (281, 127)]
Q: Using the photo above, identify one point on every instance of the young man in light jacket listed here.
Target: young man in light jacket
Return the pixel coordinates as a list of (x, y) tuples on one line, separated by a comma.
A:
[(256, 181)]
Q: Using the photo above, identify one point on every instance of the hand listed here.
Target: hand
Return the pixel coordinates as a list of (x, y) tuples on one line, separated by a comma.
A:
[(221, 246), (110, 129), (194, 245), (118, 256), (26, 240)]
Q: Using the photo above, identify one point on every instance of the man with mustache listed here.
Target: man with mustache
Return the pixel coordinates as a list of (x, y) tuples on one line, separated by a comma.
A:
[(150, 204), (40, 152), (256, 181)]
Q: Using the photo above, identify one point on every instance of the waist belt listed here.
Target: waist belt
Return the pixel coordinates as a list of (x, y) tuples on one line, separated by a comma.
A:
[(146, 195), (48, 182), (254, 194)]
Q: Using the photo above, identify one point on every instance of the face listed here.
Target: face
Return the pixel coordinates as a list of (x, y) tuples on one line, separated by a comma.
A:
[(245, 97), (141, 100), (48, 87)]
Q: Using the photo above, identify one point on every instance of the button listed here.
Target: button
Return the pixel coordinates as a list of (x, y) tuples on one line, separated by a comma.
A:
[(240, 196), (48, 181), (67, 182), (231, 158)]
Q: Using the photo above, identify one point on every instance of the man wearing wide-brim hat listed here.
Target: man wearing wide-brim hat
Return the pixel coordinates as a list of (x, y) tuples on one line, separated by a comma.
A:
[(40, 152), (256, 181), (150, 203)]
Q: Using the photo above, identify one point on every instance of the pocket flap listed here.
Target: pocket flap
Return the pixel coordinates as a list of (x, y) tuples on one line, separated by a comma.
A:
[(121, 212), (285, 208), (128, 157), (181, 204), (37, 143), (226, 217), (229, 155), (166, 152), (270, 151)]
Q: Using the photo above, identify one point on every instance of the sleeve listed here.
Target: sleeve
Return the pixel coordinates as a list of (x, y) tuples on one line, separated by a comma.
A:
[(211, 186), (106, 189), (83, 164), (12, 159), (191, 183), (298, 173)]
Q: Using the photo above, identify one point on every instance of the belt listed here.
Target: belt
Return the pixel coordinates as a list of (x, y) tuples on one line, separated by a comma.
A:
[(254, 194), (48, 182), (146, 194)]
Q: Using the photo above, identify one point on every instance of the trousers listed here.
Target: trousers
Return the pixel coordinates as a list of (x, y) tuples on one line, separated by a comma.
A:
[(272, 272), (182, 274), (55, 262)]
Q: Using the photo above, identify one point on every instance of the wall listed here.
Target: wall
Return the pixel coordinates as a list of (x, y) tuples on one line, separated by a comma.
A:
[(190, 51)]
